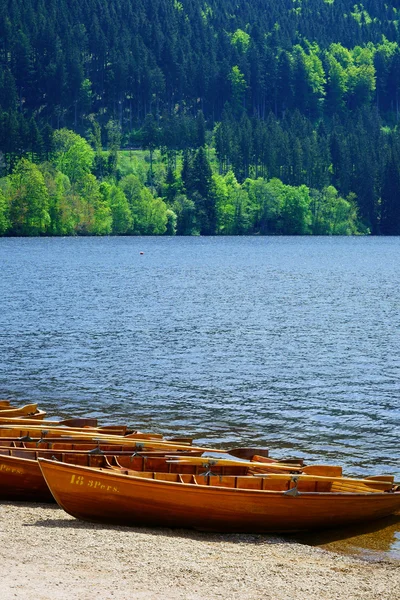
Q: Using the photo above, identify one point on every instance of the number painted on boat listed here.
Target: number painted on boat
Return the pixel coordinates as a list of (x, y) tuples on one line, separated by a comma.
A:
[(77, 480), (93, 483), (12, 470)]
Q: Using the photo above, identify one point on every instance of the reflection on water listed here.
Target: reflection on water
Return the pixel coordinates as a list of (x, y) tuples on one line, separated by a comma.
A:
[(287, 343), (373, 541)]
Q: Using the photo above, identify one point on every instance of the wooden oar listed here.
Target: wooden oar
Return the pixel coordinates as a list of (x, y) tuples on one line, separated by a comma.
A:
[(209, 462)]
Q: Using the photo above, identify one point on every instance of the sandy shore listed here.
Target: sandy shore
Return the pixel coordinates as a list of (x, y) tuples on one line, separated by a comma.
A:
[(46, 554)]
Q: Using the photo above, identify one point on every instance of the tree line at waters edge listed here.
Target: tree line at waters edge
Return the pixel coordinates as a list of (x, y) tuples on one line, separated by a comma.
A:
[(82, 191), (277, 118)]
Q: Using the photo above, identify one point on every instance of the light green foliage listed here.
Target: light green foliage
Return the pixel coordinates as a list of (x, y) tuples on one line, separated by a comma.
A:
[(238, 80), (315, 70), (296, 214), (233, 206), (206, 12), (4, 220), (279, 208), (28, 199), (61, 211), (224, 206), (342, 55), (333, 215), (266, 198), (149, 214), (73, 155), (95, 216), (185, 211), (273, 207), (115, 198), (361, 82), (37, 200), (351, 73), (172, 220), (241, 41), (361, 15), (131, 186), (95, 136), (363, 55), (313, 67), (159, 174), (386, 48), (134, 163), (337, 80)]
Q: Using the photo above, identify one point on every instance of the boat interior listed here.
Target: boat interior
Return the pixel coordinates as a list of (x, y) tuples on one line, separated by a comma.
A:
[(267, 482)]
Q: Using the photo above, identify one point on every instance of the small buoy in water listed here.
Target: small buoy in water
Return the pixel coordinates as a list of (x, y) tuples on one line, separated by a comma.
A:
[(141, 252)]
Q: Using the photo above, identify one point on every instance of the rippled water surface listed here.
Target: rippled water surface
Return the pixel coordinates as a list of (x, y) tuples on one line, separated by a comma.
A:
[(292, 343)]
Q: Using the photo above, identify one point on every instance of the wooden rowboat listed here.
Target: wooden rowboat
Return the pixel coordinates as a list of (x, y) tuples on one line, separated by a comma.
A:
[(29, 410), (22, 479), (270, 503)]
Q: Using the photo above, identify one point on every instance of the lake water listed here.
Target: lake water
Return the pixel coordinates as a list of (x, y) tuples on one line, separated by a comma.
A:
[(290, 343)]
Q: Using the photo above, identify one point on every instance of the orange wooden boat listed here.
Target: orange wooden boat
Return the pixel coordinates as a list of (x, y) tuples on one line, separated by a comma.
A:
[(22, 479), (270, 503)]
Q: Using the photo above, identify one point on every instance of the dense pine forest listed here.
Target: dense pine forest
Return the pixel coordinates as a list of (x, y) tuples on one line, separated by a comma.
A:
[(191, 117)]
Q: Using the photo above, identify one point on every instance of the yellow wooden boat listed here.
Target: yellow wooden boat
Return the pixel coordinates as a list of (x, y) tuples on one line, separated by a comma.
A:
[(268, 503), (29, 410)]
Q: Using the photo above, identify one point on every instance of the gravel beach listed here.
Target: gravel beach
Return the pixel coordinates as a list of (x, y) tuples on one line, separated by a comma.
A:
[(46, 554)]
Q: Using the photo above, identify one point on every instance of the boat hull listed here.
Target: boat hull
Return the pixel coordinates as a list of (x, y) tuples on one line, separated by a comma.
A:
[(22, 479), (115, 498)]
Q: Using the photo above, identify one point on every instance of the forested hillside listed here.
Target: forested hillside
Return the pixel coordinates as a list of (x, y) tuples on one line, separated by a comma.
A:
[(302, 94)]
